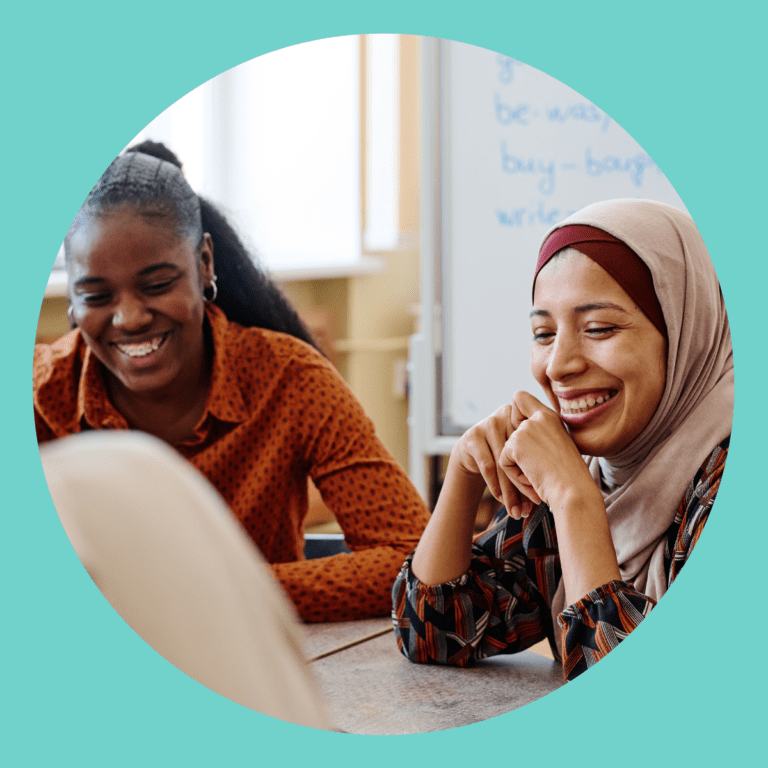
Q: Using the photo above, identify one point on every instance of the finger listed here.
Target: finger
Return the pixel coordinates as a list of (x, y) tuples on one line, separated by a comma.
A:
[(516, 475), (502, 424), (473, 455), (511, 496), (527, 507), (496, 433), (487, 466), (525, 405), (523, 485)]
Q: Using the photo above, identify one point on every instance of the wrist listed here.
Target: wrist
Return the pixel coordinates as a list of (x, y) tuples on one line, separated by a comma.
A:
[(575, 497), (587, 553), (459, 472), (464, 487)]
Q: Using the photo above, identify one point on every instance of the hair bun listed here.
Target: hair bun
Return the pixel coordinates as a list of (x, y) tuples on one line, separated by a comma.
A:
[(156, 149)]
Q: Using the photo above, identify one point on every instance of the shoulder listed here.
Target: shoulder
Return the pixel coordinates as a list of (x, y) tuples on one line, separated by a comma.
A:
[(694, 510), (261, 343), (268, 366), (261, 358), (706, 481), (56, 374), (58, 360), (258, 345)]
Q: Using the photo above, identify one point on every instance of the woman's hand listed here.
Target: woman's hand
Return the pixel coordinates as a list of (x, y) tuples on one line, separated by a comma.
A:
[(539, 456), (445, 550), (524, 455), (543, 462), (478, 452)]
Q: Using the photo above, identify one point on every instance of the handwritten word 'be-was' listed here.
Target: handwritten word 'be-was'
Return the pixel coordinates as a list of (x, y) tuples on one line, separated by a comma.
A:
[(523, 114)]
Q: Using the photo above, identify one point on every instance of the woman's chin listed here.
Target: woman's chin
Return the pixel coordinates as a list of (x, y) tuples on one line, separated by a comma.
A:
[(594, 442)]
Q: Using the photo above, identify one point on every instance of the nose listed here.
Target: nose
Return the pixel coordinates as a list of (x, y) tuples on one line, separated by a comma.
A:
[(566, 357), (131, 314)]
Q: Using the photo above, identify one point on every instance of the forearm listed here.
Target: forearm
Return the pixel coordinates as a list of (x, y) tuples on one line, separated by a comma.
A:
[(444, 552), (587, 554), (342, 587), (493, 607)]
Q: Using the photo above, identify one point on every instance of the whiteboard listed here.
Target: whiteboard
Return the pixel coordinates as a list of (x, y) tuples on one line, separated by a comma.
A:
[(517, 151)]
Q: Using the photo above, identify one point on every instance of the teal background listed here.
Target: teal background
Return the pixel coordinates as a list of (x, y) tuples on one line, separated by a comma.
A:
[(81, 80)]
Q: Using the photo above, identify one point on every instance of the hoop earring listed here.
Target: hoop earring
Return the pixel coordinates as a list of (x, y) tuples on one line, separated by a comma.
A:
[(214, 289)]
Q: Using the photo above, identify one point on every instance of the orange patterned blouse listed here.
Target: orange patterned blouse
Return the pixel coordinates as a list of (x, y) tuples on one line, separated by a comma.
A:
[(277, 413)]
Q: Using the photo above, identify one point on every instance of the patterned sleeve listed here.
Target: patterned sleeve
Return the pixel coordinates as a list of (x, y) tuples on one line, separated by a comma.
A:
[(596, 624), (498, 606)]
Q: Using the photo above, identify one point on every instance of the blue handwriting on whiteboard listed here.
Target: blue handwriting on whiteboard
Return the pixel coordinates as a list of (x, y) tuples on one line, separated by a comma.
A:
[(507, 115), (544, 168), (506, 73), (585, 112), (531, 216), (635, 166)]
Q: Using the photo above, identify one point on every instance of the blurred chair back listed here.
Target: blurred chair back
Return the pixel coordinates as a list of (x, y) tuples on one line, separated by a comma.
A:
[(164, 549)]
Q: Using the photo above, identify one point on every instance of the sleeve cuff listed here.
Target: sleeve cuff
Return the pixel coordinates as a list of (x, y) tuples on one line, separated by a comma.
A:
[(604, 596)]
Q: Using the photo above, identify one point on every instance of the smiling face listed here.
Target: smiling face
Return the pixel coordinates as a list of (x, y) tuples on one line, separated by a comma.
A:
[(135, 288), (598, 357)]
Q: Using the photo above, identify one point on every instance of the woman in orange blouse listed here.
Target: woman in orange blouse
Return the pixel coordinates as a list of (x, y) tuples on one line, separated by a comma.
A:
[(179, 335)]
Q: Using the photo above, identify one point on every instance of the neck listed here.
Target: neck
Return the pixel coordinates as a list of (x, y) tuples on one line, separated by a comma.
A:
[(170, 414)]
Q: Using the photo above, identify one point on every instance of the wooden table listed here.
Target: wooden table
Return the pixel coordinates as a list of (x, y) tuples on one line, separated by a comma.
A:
[(371, 688)]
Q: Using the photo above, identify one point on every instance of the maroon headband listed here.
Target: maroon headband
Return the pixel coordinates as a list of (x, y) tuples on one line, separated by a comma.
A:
[(615, 257)]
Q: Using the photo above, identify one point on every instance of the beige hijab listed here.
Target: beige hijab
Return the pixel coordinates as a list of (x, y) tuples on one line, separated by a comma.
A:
[(643, 485)]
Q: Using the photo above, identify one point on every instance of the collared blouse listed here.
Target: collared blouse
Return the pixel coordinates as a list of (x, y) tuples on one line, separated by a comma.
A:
[(277, 413)]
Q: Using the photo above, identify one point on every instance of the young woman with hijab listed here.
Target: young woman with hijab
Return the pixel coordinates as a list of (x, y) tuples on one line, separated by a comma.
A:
[(179, 335), (609, 486)]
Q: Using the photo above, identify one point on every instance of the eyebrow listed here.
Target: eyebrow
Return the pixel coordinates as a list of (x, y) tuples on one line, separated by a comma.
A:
[(143, 273), (582, 308)]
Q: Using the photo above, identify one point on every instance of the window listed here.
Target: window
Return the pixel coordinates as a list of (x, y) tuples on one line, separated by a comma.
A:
[(276, 143)]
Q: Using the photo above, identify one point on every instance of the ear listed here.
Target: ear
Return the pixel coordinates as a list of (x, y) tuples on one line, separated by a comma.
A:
[(206, 260)]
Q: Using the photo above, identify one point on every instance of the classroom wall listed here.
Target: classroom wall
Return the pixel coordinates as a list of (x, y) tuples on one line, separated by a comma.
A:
[(52, 322), (370, 316), (382, 306), (374, 314)]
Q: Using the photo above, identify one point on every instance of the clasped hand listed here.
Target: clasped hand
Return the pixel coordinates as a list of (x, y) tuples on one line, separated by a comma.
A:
[(524, 454)]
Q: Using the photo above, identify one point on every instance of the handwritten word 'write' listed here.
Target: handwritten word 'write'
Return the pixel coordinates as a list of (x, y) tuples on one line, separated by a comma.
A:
[(532, 216)]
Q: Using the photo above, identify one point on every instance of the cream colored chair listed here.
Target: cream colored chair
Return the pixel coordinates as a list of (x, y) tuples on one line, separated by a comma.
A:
[(163, 548)]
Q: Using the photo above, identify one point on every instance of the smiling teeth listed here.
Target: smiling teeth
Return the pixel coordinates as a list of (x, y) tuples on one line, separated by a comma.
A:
[(143, 349), (583, 404)]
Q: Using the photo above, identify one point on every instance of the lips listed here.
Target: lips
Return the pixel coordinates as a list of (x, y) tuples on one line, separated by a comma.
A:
[(584, 401), (139, 349)]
